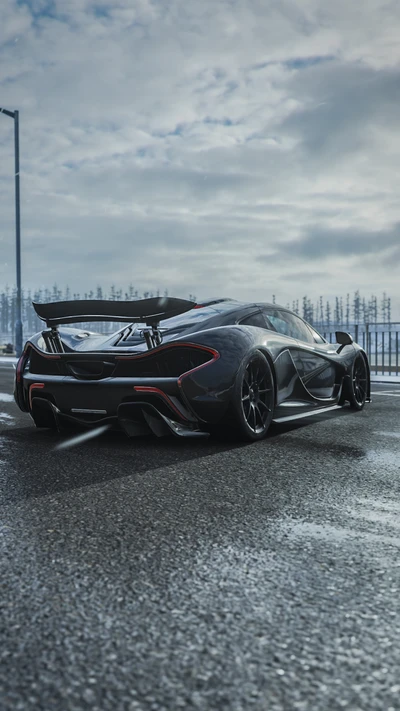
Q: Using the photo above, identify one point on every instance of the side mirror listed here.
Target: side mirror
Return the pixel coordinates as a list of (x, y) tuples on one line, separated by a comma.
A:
[(344, 339)]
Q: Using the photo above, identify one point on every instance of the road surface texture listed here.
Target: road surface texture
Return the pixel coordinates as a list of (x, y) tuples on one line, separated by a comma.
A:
[(166, 574)]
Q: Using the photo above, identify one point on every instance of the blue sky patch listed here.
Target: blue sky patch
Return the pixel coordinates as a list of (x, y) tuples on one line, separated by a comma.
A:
[(305, 62)]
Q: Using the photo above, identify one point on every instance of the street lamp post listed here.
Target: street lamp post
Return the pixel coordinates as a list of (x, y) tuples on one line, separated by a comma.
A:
[(18, 323)]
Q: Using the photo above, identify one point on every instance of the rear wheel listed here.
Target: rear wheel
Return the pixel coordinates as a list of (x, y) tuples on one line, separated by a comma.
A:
[(253, 399), (357, 393)]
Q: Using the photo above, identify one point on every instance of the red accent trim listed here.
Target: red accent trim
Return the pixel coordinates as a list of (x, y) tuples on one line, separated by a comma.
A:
[(36, 386), (215, 357), (199, 306), (19, 365), (157, 391)]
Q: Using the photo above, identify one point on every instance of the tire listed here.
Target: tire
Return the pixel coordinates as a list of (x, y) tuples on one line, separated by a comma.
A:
[(357, 390), (253, 399)]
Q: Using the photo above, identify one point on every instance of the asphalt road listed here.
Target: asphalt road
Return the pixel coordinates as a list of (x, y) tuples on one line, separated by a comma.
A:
[(168, 574)]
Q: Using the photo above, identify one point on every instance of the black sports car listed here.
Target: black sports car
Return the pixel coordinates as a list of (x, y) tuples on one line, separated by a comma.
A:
[(185, 368)]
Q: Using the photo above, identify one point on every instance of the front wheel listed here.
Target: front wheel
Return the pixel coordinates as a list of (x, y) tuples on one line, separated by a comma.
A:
[(357, 392), (253, 399)]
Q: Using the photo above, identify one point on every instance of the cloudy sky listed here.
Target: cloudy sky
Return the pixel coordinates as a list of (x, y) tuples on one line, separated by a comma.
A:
[(218, 147)]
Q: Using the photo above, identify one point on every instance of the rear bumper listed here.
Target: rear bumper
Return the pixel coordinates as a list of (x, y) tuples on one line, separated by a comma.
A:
[(133, 405), (134, 419)]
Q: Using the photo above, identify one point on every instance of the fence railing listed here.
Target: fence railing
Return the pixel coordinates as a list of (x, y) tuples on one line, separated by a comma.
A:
[(380, 341)]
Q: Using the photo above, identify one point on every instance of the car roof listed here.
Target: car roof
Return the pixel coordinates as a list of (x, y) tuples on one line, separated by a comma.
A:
[(273, 306), (228, 304)]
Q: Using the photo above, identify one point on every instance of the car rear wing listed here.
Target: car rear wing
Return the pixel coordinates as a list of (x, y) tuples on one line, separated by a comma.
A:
[(148, 311)]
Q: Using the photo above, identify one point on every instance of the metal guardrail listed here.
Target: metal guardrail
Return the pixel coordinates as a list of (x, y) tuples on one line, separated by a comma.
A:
[(381, 342)]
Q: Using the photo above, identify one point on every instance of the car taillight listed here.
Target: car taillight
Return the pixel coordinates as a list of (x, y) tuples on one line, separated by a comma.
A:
[(20, 365)]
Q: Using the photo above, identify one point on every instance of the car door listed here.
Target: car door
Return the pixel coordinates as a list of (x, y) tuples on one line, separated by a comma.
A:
[(313, 359), (320, 373), (288, 364)]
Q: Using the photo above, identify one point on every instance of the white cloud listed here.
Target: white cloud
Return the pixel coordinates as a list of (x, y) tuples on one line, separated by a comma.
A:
[(172, 144)]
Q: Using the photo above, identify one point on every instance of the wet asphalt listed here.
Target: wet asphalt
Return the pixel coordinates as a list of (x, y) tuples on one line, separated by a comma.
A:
[(166, 574)]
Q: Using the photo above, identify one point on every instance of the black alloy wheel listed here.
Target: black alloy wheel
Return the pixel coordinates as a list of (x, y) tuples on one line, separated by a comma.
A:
[(358, 383), (253, 398)]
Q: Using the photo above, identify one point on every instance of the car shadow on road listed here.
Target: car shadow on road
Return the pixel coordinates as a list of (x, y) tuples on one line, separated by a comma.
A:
[(35, 468)]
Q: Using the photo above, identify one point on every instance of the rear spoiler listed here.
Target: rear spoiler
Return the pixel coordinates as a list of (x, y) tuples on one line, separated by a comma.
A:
[(148, 311)]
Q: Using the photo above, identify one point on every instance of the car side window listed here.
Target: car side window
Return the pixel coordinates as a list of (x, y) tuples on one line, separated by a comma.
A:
[(279, 322), (256, 319), (299, 328), (290, 325), (317, 337)]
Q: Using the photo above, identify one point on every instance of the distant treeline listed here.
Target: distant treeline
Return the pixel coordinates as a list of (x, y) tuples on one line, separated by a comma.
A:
[(341, 312)]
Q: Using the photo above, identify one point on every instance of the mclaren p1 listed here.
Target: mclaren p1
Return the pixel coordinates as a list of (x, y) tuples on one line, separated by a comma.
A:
[(185, 368)]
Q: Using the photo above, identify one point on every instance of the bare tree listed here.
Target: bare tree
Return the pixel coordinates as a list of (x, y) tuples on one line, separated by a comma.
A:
[(337, 310), (356, 307), (321, 309), (328, 314)]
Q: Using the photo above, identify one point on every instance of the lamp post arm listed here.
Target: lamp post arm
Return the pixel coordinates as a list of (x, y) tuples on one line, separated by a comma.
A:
[(11, 114)]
